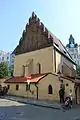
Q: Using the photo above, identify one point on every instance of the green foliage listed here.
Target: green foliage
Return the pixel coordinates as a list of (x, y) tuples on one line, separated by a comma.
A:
[(78, 69), (3, 69), (11, 69)]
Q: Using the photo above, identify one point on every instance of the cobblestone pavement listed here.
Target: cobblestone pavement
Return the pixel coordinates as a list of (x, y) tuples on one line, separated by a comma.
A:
[(10, 110)]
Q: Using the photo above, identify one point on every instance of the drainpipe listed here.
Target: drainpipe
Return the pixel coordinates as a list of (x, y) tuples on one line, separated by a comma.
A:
[(36, 90)]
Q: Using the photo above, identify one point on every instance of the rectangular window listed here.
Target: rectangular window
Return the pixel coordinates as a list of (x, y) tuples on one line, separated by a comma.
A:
[(2, 58), (7, 58), (23, 70), (74, 56), (8, 87), (17, 87), (72, 50), (76, 50)]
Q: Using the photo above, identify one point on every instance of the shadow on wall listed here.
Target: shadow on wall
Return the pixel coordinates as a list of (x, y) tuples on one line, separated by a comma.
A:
[(65, 67)]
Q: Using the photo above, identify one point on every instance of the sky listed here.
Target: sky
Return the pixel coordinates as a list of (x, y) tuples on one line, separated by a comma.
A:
[(61, 17)]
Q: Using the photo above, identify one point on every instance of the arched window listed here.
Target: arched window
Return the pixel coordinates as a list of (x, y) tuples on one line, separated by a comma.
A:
[(17, 87), (50, 90), (38, 68)]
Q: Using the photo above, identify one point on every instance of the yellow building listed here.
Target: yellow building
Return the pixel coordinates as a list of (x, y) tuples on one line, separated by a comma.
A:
[(42, 86), (44, 57)]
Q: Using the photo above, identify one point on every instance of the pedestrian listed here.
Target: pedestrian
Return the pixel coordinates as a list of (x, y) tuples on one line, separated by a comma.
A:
[(71, 97), (62, 92), (61, 95), (0, 89)]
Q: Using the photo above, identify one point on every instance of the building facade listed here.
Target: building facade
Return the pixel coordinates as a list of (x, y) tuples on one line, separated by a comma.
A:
[(5, 57), (74, 50), (44, 57), (12, 57)]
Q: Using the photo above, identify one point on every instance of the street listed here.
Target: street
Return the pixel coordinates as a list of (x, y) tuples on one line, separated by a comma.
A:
[(10, 110)]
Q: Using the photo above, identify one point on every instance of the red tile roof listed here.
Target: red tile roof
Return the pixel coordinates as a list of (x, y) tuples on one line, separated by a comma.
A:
[(20, 79), (57, 41)]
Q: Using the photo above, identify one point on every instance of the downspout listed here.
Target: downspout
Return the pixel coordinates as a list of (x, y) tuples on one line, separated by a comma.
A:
[(36, 90)]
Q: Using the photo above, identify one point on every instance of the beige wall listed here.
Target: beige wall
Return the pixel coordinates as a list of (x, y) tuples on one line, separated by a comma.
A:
[(42, 56), (43, 87), (22, 90), (70, 86), (43, 84), (67, 65), (54, 81), (58, 62), (46, 58)]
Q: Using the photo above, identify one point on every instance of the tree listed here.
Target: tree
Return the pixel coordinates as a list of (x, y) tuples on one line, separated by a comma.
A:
[(78, 70), (11, 70), (3, 69)]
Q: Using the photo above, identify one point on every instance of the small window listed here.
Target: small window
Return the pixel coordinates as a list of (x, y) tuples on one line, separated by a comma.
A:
[(17, 87), (8, 87), (72, 50), (38, 68), (7, 58), (50, 90), (2, 58), (74, 56), (67, 84)]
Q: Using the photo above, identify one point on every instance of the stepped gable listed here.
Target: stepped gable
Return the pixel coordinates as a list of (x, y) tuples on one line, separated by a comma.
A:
[(35, 36)]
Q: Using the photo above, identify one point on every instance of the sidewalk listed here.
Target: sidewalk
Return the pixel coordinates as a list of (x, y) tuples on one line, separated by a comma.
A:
[(47, 104)]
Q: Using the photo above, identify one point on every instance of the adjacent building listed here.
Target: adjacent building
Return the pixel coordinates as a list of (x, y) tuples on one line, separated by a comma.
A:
[(74, 50), (44, 57), (5, 57), (12, 57)]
